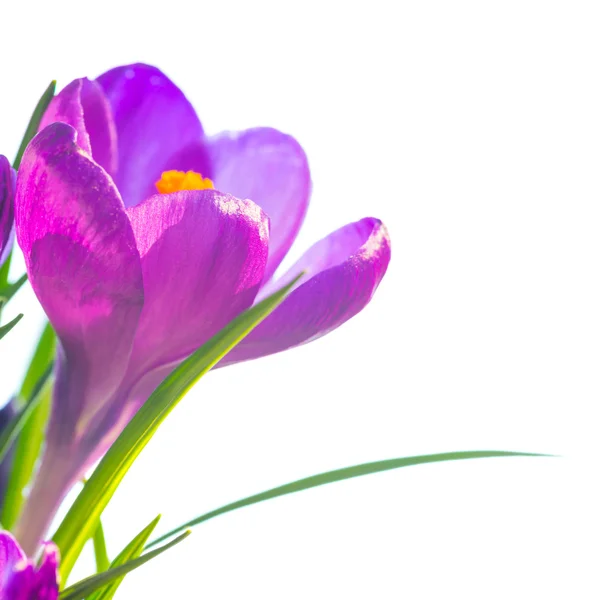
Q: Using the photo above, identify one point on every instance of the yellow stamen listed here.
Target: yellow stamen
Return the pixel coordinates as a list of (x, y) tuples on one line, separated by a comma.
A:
[(175, 181)]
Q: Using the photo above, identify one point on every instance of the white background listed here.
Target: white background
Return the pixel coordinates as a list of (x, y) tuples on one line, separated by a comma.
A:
[(473, 130)]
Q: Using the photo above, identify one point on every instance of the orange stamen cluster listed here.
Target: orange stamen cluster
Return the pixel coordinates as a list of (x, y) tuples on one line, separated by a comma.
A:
[(176, 181)]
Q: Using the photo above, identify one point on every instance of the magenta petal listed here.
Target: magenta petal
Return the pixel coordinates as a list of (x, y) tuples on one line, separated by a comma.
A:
[(83, 105), (342, 273), (47, 580), (100, 125), (19, 579), (84, 267), (7, 194), (270, 168), (154, 120), (10, 553), (66, 107), (203, 258)]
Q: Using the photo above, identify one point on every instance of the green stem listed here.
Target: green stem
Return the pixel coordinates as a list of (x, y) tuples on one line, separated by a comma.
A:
[(54, 477)]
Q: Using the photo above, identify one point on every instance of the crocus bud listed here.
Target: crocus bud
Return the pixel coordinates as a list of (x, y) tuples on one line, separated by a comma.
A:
[(7, 195)]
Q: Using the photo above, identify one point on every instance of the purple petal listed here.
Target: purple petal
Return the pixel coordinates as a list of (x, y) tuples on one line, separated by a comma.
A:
[(84, 106), (47, 581), (18, 578), (84, 267), (66, 107), (7, 193), (100, 125), (154, 121), (10, 553), (342, 273), (270, 168), (203, 258)]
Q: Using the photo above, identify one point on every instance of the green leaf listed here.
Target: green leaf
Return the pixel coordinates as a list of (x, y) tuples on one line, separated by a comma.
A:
[(32, 129), (4, 270), (82, 589), (130, 552), (11, 431), (83, 515), (29, 443), (338, 475), (11, 289), (99, 544), (4, 329), (34, 121), (42, 358), (100, 553)]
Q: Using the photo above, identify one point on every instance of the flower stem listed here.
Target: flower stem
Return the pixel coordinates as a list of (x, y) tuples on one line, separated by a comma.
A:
[(55, 477)]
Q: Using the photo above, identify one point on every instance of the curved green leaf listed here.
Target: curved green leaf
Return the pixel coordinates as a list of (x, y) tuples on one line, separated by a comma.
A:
[(100, 553), (338, 475), (82, 589), (34, 121), (4, 329), (42, 358), (131, 551), (83, 515), (11, 289), (4, 270), (32, 129), (11, 431)]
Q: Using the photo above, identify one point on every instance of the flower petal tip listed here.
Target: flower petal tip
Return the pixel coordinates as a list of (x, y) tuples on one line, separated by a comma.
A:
[(7, 194), (343, 272)]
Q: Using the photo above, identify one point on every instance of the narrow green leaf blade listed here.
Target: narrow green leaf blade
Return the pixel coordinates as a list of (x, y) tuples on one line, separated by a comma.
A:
[(4, 271), (34, 121), (82, 589), (82, 517), (130, 552), (338, 475), (11, 431), (29, 443), (42, 358), (100, 553), (32, 129), (11, 289), (4, 329)]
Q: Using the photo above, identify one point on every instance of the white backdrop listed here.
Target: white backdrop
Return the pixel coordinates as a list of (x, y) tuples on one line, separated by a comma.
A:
[(473, 130)]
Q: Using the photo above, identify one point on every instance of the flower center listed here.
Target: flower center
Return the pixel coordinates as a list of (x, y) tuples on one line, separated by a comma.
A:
[(175, 181)]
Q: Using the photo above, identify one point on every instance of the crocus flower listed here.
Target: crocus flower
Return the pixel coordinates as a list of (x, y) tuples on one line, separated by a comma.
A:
[(133, 280), (7, 192), (20, 579)]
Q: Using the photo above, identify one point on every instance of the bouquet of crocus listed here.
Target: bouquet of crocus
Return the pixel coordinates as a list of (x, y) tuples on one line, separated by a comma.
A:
[(152, 249)]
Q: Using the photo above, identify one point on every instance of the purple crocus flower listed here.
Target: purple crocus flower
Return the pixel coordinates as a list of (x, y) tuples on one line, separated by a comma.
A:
[(7, 192), (20, 579), (134, 281)]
